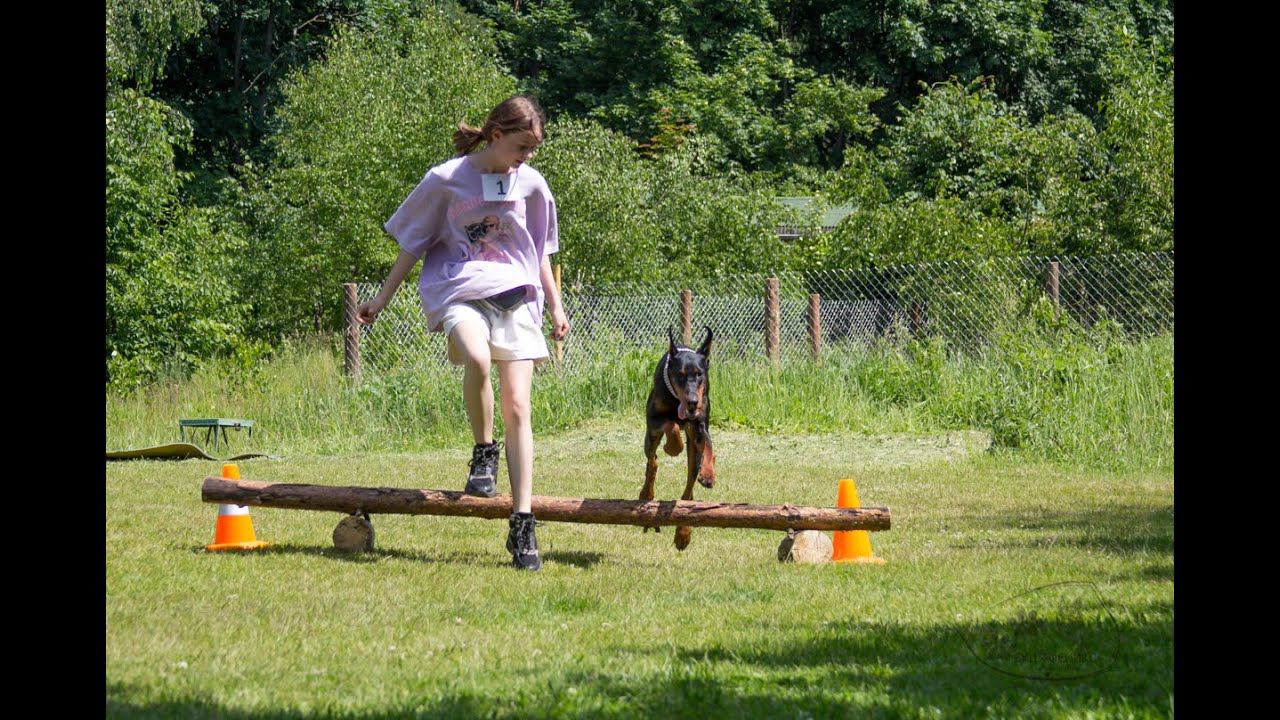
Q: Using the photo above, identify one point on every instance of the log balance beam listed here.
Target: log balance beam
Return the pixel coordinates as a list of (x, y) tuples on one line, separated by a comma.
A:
[(403, 501)]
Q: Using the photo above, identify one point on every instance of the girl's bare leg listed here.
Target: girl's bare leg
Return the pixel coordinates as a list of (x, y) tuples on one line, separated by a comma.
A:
[(516, 377), (469, 343)]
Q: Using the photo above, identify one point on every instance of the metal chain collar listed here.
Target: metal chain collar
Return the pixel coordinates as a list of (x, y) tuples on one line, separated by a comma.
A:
[(665, 379)]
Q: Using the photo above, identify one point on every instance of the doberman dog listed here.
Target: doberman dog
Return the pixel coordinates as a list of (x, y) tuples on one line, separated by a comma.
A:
[(679, 398)]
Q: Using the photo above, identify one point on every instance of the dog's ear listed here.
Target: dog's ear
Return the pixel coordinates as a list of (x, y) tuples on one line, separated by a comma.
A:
[(671, 341), (705, 348)]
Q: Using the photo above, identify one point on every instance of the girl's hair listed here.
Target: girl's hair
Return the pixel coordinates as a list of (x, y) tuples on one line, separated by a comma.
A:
[(516, 113)]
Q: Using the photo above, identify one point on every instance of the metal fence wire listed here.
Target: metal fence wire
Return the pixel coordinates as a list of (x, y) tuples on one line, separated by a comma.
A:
[(962, 301)]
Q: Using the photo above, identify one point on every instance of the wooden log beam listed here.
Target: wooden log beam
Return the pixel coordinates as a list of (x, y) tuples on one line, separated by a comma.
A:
[(405, 501)]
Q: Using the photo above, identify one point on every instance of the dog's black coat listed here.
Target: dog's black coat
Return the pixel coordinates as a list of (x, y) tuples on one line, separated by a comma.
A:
[(680, 399)]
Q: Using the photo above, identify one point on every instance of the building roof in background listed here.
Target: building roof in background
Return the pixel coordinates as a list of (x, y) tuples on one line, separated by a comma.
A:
[(830, 218)]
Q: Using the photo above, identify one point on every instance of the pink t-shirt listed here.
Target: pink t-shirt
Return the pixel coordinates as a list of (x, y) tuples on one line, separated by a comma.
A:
[(471, 247)]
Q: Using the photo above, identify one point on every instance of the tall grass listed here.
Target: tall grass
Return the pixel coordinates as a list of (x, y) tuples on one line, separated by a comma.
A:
[(1052, 392)]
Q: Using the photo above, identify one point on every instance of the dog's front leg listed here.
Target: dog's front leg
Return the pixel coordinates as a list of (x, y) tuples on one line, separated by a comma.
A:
[(651, 438), (684, 533), (706, 456)]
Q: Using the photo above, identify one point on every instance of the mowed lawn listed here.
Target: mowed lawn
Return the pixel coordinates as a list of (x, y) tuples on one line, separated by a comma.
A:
[(1001, 573)]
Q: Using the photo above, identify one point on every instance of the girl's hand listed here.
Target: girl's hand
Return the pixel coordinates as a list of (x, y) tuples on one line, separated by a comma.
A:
[(368, 311), (559, 324)]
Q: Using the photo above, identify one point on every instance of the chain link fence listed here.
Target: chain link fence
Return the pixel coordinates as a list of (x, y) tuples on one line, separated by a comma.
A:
[(962, 301)]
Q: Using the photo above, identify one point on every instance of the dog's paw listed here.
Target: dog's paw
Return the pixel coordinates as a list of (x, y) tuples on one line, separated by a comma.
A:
[(647, 528), (683, 535), (675, 441), (707, 480)]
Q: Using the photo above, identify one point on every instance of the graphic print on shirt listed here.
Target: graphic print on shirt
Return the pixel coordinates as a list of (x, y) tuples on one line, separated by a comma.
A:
[(486, 237)]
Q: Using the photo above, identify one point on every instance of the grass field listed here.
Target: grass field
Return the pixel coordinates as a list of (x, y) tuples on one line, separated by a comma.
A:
[(619, 624)]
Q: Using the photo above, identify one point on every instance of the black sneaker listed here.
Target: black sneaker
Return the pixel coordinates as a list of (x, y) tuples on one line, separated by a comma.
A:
[(484, 470), (521, 542)]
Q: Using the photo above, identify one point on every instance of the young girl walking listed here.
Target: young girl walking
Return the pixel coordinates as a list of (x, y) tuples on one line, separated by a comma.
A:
[(484, 226)]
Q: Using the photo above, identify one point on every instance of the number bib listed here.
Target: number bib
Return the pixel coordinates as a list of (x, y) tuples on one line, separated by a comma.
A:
[(499, 186)]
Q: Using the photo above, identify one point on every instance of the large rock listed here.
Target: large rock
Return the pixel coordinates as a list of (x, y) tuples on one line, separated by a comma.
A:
[(807, 546), (353, 534)]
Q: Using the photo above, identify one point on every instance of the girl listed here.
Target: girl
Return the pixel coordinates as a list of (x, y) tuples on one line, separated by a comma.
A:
[(484, 224)]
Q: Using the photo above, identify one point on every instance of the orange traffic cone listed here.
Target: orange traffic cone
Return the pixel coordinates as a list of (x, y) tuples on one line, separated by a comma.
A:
[(851, 545), (234, 530)]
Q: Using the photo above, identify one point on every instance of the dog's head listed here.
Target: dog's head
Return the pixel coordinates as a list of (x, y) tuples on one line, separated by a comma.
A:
[(686, 374)]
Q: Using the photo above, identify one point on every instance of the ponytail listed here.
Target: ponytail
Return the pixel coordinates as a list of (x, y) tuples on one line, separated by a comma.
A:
[(518, 112), (466, 138)]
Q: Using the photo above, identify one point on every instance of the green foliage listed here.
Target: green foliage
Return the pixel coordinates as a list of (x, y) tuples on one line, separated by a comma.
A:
[(963, 174), (140, 35), (170, 299), (713, 225), (601, 59), (351, 145), (909, 374), (179, 309), (735, 105), (142, 184), (920, 230), (957, 140), (719, 66), (1138, 137), (962, 141), (609, 227), (1046, 57), (226, 78), (821, 118)]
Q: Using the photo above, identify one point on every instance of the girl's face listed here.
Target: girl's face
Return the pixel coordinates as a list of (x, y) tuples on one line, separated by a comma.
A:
[(514, 148)]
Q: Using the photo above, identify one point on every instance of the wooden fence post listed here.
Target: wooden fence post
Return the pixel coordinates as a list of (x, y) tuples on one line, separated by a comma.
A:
[(555, 270), (686, 316), (1051, 282), (351, 357), (771, 320), (815, 325)]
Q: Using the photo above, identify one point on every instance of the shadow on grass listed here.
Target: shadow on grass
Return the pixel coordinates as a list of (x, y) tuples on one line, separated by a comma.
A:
[(962, 669), (499, 557), (853, 669), (460, 706), (1120, 529)]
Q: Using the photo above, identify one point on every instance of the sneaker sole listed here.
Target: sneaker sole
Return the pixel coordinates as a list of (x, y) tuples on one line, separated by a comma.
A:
[(473, 492)]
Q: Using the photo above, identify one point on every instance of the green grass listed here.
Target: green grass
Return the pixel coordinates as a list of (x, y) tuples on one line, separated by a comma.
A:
[(619, 624), (1048, 460)]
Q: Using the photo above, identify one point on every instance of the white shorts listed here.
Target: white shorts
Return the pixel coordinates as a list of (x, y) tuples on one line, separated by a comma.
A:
[(512, 335)]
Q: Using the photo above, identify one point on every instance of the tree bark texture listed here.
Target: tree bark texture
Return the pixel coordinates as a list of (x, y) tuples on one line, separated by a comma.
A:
[(405, 501)]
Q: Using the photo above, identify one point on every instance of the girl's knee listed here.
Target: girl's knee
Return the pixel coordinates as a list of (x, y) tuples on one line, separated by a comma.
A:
[(469, 345), (477, 366), (515, 410), (475, 358)]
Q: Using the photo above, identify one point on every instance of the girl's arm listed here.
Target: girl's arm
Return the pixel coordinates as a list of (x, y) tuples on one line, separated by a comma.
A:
[(549, 289), (559, 321), (404, 263), (368, 311)]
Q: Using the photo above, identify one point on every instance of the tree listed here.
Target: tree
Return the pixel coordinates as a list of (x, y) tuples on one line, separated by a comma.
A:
[(141, 33), (1138, 137), (170, 302)]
